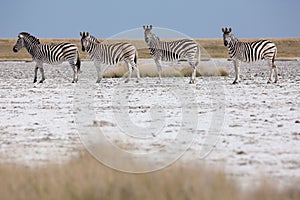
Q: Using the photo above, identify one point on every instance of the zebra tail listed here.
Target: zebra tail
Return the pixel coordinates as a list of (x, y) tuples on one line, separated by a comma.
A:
[(199, 56), (78, 62), (273, 59), (135, 59)]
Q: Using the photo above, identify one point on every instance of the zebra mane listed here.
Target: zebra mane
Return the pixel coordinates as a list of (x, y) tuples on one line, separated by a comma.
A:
[(233, 37), (155, 37), (30, 37), (94, 39)]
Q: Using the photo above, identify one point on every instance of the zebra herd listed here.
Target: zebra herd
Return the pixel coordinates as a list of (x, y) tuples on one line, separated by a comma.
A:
[(105, 55)]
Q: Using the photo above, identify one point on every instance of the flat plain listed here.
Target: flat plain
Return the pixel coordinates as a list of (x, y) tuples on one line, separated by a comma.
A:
[(257, 138), (261, 127)]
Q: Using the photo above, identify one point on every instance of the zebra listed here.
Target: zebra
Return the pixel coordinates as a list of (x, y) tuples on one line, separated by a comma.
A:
[(109, 54), (249, 52), (172, 51), (48, 53)]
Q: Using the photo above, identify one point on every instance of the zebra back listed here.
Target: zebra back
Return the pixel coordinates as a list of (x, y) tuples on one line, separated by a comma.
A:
[(29, 37)]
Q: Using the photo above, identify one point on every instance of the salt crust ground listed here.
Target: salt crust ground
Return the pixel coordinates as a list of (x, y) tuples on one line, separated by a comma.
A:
[(260, 129)]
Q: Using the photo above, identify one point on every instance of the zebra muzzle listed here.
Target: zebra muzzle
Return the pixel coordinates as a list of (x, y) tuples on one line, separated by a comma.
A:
[(225, 43)]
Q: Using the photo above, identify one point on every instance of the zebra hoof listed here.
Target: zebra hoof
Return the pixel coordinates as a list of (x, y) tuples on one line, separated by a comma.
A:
[(41, 81), (34, 81), (126, 81), (192, 82), (235, 82)]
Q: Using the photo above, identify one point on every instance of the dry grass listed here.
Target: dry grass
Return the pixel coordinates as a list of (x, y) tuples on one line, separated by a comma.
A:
[(85, 178), (182, 70), (287, 48)]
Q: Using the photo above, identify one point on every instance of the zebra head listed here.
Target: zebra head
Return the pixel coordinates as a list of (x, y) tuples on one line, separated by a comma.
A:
[(86, 39), (149, 36), (25, 40), (19, 44), (228, 37)]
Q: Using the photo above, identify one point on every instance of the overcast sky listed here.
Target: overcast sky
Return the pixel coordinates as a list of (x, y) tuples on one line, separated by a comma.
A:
[(195, 18)]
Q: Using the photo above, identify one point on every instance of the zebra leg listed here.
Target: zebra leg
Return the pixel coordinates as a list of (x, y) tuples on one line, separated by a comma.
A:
[(75, 76), (99, 73), (137, 72), (101, 70), (35, 73), (271, 72), (42, 72), (273, 67), (237, 71), (158, 65), (193, 65), (193, 77), (130, 72), (276, 73)]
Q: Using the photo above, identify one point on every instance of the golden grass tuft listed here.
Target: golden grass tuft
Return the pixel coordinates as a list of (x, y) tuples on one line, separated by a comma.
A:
[(187, 72), (85, 178), (150, 70), (223, 72)]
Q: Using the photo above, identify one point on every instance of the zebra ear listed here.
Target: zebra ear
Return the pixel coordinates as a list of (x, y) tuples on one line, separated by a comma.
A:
[(87, 34), (81, 34), (223, 30), (229, 30), (151, 27), (144, 27)]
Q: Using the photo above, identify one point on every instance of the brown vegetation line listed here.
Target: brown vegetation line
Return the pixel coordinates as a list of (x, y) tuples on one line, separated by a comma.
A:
[(287, 48)]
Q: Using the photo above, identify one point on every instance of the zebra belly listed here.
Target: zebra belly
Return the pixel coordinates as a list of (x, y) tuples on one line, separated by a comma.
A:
[(51, 62), (171, 58), (249, 60)]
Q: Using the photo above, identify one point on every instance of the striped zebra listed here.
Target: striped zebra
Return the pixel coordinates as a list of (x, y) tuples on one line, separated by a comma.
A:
[(48, 53), (172, 51), (249, 52), (105, 55)]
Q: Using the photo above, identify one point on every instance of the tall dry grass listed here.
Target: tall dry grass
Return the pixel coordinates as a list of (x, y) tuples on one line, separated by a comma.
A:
[(85, 178)]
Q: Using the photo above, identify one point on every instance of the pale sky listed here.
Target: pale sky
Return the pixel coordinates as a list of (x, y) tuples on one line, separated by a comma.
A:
[(195, 18)]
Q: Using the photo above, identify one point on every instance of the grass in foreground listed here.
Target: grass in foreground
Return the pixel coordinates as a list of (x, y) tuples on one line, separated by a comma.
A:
[(85, 178)]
